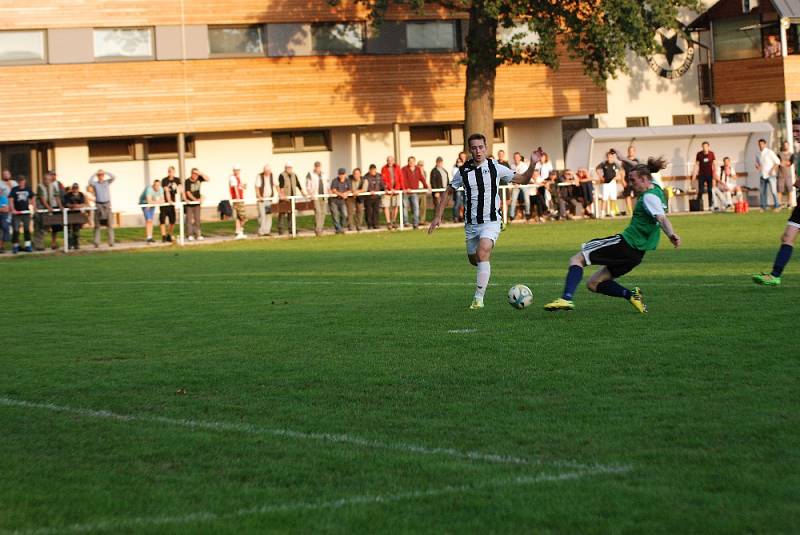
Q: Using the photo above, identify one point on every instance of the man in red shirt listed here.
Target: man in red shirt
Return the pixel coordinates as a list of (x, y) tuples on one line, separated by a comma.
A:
[(413, 176), (393, 181), (705, 170)]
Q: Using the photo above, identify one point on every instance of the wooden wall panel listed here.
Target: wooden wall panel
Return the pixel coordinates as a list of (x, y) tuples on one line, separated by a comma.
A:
[(119, 99), (791, 73), (749, 81), (22, 14)]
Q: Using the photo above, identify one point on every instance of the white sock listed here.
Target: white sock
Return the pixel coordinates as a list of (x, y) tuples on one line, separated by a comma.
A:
[(484, 271)]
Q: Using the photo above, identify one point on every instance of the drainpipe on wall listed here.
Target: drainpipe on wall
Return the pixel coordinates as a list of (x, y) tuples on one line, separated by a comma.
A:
[(396, 138)]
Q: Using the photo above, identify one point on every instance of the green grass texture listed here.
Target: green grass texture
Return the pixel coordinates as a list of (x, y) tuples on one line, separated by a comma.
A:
[(341, 385)]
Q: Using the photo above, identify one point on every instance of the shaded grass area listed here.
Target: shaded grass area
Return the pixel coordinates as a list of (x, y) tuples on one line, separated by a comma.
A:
[(349, 335)]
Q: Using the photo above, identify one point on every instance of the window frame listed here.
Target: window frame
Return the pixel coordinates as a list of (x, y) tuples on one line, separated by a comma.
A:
[(317, 52), (189, 149), (264, 44), (683, 119), (446, 129), (299, 146), (642, 121), (743, 20), (131, 144), (725, 117), (111, 59), (45, 55), (455, 47)]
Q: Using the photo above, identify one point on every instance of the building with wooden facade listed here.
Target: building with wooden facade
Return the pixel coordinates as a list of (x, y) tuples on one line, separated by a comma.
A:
[(114, 83), (753, 69)]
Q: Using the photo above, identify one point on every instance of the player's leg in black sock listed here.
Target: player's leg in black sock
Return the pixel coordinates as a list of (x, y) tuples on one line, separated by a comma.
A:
[(786, 249), (612, 288), (781, 259)]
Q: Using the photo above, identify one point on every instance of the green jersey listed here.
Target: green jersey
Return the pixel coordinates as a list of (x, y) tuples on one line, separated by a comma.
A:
[(644, 231)]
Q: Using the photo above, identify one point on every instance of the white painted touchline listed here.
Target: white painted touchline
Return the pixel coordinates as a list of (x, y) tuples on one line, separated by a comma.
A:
[(301, 435), (462, 331), (190, 518)]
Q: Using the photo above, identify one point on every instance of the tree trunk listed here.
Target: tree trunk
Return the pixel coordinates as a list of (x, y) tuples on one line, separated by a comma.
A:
[(481, 73)]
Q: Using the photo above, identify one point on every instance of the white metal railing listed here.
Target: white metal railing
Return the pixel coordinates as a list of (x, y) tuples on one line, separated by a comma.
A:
[(293, 200), (64, 219)]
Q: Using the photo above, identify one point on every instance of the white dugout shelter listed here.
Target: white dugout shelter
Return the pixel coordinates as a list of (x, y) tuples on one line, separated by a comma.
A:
[(678, 144)]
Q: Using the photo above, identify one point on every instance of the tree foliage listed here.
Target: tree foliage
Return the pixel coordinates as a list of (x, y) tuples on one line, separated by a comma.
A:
[(598, 32)]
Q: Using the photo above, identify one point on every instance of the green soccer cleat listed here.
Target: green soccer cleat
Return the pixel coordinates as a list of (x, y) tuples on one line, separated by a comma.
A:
[(477, 304), (637, 301), (766, 279), (559, 304)]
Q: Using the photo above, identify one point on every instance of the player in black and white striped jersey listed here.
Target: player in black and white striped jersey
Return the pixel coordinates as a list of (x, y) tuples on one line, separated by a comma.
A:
[(481, 178)]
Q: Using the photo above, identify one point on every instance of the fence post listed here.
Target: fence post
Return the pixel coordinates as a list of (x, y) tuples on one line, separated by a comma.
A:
[(294, 220), (66, 235), (401, 208), (180, 222)]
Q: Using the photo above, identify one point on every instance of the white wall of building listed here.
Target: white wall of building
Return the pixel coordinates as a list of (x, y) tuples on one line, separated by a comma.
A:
[(643, 93)]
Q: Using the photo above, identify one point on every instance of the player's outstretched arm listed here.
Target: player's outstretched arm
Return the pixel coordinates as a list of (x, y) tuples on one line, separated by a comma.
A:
[(666, 226), (437, 217), (526, 177)]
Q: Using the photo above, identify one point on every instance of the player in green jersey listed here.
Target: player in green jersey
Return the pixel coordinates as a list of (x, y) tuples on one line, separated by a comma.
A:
[(620, 253)]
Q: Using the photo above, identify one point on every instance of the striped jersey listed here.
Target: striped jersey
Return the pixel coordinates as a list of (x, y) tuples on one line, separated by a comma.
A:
[(481, 189)]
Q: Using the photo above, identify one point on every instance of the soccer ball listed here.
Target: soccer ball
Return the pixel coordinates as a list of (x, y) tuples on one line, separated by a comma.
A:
[(520, 296)]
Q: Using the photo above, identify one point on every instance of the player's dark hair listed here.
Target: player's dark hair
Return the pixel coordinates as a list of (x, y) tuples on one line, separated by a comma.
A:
[(475, 137), (762, 139), (643, 169), (654, 165)]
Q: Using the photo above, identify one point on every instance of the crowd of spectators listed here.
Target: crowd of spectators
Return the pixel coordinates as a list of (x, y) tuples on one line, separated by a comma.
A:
[(355, 200)]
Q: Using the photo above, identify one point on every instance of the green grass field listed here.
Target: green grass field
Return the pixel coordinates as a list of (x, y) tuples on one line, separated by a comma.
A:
[(341, 385)]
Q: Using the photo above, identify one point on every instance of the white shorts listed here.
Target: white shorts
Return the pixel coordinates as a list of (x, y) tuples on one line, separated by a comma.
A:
[(609, 191), (476, 232)]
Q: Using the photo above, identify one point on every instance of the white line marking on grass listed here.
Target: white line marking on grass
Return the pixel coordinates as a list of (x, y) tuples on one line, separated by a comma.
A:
[(272, 282), (278, 282), (462, 331), (301, 435), (378, 499)]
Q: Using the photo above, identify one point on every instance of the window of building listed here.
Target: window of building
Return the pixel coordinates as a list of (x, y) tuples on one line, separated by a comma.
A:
[(431, 35), (167, 147), (123, 43), (738, 38), (111, 150), (301, 141), (236, 40), (499, 133), (447, 134), (637, 121), (345, 38), (23, 46), (735, 117), (683, 119), (437, 134)]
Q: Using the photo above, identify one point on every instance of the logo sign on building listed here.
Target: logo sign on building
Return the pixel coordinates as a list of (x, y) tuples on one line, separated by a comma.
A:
[(677, 55)]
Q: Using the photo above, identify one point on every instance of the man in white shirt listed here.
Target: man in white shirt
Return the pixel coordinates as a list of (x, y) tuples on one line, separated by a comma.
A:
[(481, 178), (519, 166), (767, 163), (316, 183)]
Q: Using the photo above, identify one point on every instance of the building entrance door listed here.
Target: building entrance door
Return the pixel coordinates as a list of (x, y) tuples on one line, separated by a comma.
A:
[(29, 159)]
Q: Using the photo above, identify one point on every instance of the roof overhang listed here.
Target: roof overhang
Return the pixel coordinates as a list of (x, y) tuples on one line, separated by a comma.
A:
[(678, 144)]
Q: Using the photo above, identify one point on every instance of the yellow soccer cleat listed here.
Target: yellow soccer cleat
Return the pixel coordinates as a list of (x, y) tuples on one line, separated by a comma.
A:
[(637, 301), (559, 304), (477, 304)]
